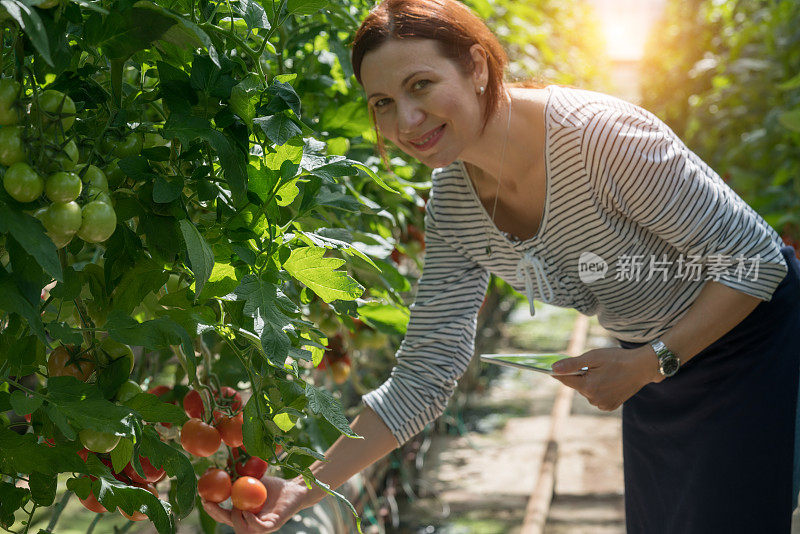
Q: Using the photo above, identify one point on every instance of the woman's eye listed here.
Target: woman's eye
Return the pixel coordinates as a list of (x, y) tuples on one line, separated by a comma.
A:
[(420, 81), (378, 103)]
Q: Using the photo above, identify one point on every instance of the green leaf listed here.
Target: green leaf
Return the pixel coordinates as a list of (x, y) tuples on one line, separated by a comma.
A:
[(151, 409), (790, 120), (24, 405), (187, 128), (27, 273), (305, 7), (60, 420), (14, 302), (85, 407), (375, 177), (161, 333), (223, 280), (282, 96), (122, 454), (11, 500), (113, 494), (145, 277), (65, 333), (319, 240), (21, 454), (201, 258), (22, 355), (378, 314), (166, 191), (43, 488), (244, 95), (275, 343), (323, 403), (319, 274), (253, 431), (130, 31), (29, 232), (253, 14), (176, 464), (113, 376), (279, 128), (266, 304), (28, 19)]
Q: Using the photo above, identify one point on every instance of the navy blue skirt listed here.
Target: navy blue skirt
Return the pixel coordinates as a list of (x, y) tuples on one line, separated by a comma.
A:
[(712, 448)]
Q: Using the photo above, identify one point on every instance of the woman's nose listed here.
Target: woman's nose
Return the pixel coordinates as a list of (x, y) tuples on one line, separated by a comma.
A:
[(410, 116)]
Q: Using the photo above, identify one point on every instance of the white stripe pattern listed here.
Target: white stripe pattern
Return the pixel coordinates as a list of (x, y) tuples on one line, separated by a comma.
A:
[(619, 183)]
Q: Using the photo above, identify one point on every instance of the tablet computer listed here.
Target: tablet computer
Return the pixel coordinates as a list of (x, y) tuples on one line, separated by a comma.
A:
[(542, 362)]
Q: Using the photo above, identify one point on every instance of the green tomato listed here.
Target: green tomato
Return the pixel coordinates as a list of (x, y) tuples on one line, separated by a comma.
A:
[(62, 218), (51, 102), (127, 391), (99, 222), (65, 159), (111, 350), (130, 146), (95, 193), (63, 186), (153, 140), (9, 89), (97, 441), (92, 176), (23, 183), (12, 148), (114, 174)]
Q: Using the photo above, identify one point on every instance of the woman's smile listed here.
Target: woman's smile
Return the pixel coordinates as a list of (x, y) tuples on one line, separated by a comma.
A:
[(430, 139)]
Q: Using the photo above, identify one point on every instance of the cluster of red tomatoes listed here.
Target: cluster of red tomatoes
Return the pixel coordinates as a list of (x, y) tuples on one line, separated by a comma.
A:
[(39, 156), (199, 438)]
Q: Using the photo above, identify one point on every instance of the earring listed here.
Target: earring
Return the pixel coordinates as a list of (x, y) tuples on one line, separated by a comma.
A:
[(482, 90)]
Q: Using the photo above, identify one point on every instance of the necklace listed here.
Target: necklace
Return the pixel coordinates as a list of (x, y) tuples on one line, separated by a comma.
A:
[(499, 177)]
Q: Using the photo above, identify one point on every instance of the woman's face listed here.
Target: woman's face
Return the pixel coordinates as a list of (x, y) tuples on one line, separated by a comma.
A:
[(423, 103)]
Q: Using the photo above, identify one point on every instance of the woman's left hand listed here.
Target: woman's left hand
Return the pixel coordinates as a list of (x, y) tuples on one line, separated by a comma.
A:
[(614, 375)]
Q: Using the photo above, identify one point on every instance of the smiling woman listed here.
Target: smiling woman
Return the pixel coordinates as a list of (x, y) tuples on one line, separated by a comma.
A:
[(708, 362)]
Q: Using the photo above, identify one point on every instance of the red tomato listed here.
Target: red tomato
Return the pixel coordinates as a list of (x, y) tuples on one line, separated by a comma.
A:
[(230, 429), (253, 467), (248, 494), (91, 503), (214, 485), (137, 515), (199, 438), (193, 403), (152, 474)]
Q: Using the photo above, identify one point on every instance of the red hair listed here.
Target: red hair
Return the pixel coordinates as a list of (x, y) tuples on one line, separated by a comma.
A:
[(448, 22)]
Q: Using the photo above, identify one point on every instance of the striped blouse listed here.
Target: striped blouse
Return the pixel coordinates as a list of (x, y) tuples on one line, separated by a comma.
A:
[(634, 223)]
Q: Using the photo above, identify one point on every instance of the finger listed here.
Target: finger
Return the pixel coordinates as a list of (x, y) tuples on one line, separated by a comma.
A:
[(571, 365), (575, 382), (217, 513), (240, 526), (256, 524)]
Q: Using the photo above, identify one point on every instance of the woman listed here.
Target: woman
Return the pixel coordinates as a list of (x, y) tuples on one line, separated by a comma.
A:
[(581, 200)]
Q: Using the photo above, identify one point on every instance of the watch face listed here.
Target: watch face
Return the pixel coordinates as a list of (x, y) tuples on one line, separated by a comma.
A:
[(669, 366)]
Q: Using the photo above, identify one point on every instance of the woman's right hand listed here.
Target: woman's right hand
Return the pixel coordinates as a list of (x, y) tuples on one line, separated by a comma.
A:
[(284, 499)]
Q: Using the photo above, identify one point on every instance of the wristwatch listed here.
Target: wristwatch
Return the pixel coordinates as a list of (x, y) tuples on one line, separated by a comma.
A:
[(668, 362)]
